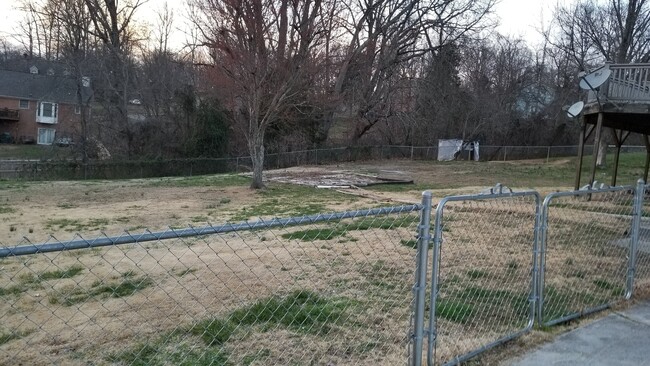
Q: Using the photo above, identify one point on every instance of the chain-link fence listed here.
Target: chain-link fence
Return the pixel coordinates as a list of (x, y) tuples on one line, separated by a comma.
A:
[(350, 288), (73, 169), (330, 289)]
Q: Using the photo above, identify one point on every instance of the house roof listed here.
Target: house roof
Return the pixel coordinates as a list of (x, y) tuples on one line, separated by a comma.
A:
[(51, 88)]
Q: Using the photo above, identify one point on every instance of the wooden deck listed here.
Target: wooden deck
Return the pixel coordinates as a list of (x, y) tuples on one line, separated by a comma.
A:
[(622, 105)]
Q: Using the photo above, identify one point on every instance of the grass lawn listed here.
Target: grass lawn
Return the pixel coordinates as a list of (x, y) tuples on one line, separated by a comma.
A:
[(39, 209)]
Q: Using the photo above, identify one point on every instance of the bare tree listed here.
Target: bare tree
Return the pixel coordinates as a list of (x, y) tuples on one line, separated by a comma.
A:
[(590, 33), (112, 25), (383, 36), (164, 27), (263, 48)]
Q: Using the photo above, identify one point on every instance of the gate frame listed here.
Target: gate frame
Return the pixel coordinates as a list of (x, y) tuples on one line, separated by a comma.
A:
[(634, 237), (437, 242)]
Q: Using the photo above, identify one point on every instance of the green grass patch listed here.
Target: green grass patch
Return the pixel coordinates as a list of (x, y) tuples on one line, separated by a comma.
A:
[(6, 337), (303, 311), (77, 225), (58, 274), (608, 286), (12, 290), (457, 312), (159, 353), (284, 200), (126, 286), (4, 209), (341, 229), (325, 233), (219, 180), (185, 272), (512, 265), (277, 207), (560, 302), (200, 218), (214, 331), (602, 284), (409, 243), (476, 274)]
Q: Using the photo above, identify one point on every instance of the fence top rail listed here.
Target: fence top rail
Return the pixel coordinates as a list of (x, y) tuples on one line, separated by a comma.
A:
[(477, 197), (128, 238), (586, 192), (630, 66)]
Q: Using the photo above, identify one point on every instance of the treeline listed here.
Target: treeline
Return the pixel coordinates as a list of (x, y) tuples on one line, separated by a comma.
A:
[(258, 76)]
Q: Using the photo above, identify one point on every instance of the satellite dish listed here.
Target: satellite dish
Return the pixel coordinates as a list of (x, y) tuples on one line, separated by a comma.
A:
[(595, 79), (575, 110)]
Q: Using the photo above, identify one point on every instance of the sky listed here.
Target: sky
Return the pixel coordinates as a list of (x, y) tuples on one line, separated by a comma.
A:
[(518, 18)]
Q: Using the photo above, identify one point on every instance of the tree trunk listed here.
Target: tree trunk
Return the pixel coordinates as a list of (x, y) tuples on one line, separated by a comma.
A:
[(256, 148)]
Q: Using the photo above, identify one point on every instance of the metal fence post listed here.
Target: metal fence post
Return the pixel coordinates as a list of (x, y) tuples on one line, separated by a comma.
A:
[(541, 269), (437, 242), (634, 236), (419, 289), (540, 231)]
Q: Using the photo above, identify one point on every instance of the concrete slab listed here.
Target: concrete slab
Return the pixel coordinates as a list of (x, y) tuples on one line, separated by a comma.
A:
[(619, 339)]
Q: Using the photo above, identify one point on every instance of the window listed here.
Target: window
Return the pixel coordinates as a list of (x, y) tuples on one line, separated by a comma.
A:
[(46, 136), (47, 112), (24, 104), (77, 109)]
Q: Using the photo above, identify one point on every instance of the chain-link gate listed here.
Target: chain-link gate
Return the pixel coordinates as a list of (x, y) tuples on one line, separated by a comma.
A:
[(642, 270), (585, 257), (325, 289), (484, 269)]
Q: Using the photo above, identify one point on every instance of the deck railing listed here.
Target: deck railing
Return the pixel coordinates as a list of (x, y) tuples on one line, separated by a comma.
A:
[(9, 114), (628, 83)]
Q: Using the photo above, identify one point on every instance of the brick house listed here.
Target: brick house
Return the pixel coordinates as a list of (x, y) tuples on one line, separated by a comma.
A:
[(40, 108)]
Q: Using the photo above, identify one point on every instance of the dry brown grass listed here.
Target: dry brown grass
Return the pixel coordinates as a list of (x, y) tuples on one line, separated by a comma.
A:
[(486, 261)]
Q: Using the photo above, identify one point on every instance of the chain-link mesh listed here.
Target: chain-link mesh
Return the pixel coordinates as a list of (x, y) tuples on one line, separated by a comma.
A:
[(586, 252), (485, 273), (337, 292), (642, 271)]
